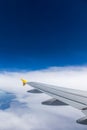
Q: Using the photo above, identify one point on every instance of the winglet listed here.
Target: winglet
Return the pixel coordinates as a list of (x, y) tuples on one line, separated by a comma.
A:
[(24, 82)]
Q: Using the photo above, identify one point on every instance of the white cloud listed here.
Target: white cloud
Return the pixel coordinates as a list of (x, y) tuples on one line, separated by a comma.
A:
[(29, 114), (72, 77)]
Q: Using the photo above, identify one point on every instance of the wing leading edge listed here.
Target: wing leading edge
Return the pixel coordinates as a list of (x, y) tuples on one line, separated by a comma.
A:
[(75, 98)]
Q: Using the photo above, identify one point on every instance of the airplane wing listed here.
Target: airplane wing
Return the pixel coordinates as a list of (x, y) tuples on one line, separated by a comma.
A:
[(75, 98)]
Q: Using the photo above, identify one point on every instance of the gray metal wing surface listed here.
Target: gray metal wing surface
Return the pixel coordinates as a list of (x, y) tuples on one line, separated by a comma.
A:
[(75, 98)]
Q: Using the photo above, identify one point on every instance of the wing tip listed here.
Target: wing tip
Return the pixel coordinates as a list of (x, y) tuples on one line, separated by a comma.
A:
[(24, 81)]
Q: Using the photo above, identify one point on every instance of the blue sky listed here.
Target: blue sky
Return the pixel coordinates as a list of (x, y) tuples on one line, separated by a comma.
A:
[(39, 34)]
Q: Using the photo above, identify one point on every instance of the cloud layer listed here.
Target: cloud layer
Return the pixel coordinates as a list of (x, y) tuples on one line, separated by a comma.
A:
[(72, 77), (26, 111)]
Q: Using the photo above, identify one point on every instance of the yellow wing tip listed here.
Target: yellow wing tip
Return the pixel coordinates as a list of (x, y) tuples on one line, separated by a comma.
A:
[(24, 81)]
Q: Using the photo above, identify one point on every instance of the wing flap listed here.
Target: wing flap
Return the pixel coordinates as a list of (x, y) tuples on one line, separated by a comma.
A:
[(54, 102), (34, 91)]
